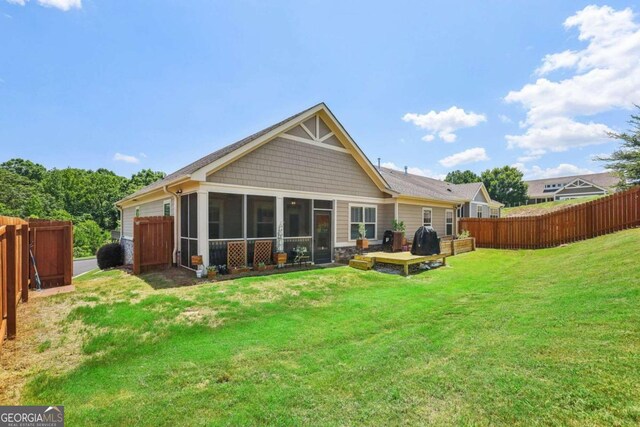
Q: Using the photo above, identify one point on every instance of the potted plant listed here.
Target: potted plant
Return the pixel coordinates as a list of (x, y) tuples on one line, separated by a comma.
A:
[(280, 257), (399, 234), (261, 266), (240, 269), (212, 272), (362, 242)]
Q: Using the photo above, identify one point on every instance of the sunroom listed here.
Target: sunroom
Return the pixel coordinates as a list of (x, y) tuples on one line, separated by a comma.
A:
[(288, 223)]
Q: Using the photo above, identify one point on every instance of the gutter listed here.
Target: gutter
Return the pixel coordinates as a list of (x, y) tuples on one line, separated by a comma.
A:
[(175, 222)]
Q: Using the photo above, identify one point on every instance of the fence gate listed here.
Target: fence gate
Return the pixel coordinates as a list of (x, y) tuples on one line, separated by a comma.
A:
[(152, 243), (52, 245)]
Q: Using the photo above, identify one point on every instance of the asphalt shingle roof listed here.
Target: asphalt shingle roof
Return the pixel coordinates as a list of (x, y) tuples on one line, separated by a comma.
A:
[(606, 180)]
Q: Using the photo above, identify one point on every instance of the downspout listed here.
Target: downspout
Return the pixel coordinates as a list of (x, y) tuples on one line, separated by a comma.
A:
[(121, 229), (175, 222)]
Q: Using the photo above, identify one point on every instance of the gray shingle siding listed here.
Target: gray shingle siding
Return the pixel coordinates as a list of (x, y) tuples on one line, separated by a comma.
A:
[(290, 165)]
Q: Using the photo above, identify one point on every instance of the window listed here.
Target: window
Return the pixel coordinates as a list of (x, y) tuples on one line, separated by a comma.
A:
[(366, 215), (225, 216), (448, 222), (460, 211), (261, 216), (137, 211), (297, 217), (427, 216), (322, 204), (479, 211), (166, 208), (495, 213)]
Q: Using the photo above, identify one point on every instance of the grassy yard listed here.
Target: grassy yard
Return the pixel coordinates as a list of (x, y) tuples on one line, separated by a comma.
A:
[(543, 208), (497, 338)]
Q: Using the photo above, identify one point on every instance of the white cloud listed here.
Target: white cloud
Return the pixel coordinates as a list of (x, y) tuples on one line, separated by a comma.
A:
[(563, 169), (471, 155), (444, 123), (58, 4), (125, 158), (143, 155), (414, 170), (604, 76), (504, 119)]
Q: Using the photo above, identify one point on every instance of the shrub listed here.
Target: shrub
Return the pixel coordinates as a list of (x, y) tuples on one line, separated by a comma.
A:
[(464, 234), (110, 255)]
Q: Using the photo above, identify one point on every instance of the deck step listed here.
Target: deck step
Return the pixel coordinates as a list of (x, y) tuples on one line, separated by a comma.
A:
[(361, 264), (362, 257)]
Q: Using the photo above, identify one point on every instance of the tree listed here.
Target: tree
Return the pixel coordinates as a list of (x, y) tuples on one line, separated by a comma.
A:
[(626, 161), (505, 185), (87, 238), (26, 168), (462, 177), (22, 197), (143, 178)]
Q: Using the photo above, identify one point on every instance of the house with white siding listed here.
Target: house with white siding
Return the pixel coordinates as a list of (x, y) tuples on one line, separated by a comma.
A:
[(305, 174)]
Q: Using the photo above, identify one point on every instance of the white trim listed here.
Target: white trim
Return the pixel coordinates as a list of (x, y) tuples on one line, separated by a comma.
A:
[(314, 143), (431, 215), (136, 212), (306, 129), (327, 136), (165, 203), (275, 192), (363, 206), (396, 216), (317, 128), (453, 221)]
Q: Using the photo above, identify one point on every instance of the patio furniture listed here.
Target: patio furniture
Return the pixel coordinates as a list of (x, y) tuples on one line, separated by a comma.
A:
[(262, 252)]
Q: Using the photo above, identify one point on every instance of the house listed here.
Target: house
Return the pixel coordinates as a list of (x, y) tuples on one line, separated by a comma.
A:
[(305, 173), (571, 187)]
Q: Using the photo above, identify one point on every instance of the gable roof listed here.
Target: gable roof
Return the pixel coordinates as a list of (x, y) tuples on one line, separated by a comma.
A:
[(606, 180), (198, 165), (430, 188)]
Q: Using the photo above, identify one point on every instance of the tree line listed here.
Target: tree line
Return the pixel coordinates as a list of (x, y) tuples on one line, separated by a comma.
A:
[(86, 197)]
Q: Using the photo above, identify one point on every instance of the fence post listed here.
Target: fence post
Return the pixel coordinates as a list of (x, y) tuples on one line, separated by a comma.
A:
[(136, 247), (10, 269), (25, 262)]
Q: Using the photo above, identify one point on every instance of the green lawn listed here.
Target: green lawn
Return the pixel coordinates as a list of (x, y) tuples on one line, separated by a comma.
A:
[(543, 208), (548, 337)]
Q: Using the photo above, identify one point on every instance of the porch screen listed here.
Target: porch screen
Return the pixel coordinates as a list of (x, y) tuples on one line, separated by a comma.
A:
[(297, 217), (225, 216), (261, 216), (188, 228)]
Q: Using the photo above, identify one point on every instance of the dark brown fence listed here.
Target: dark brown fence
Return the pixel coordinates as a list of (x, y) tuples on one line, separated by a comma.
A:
[(152, 243), (52, 245), (14, 272), (584, 221)]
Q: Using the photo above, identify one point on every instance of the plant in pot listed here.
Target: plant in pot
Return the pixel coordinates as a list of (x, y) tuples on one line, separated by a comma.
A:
[(280, 257), (362, 242), (399, 238), (212, 272), (261, 266)]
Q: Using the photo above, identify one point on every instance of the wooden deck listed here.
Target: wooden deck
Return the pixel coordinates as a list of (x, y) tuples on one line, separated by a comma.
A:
[(401, 258)]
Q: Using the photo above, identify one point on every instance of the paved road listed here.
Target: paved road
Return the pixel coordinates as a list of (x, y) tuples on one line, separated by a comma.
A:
[(84, 265)]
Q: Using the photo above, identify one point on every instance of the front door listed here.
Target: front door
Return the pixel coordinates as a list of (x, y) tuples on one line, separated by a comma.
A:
[(322, 237)]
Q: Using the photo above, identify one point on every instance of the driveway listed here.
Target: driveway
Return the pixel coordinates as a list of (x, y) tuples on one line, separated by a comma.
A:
[(84, 265)]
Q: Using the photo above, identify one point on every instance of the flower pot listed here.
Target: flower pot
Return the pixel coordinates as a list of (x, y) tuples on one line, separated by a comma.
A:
[(238, 270), (211, 274), (280, 258), (362, 244), (199, 274)]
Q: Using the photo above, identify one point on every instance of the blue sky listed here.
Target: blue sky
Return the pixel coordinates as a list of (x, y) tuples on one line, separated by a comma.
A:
[(156, 84)]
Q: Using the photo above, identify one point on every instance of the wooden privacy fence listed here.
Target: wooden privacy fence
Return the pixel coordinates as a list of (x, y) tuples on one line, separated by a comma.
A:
[(51, 242), (152, 243), (584, 221), (52, 245), (14, 272)]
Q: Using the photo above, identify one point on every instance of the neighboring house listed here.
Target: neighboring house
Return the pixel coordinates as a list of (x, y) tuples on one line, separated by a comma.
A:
[(571, 187), (305, 173)]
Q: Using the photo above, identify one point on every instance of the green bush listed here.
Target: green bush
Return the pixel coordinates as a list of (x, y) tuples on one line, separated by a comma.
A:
[(87, 238)]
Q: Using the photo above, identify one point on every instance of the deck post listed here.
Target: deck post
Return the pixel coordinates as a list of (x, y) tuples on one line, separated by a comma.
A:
[(406, 268)]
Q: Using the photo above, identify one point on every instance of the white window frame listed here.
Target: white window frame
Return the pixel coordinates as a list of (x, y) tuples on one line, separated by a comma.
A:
[(494, 215), (351, 222), (136, 212), (430, 215), (447, 224), (166, 203), (479, 213)]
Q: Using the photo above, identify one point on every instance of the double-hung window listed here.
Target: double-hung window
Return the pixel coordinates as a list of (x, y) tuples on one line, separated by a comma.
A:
[(479, 211), (166, 208), (495, 213), (448, 222), (427, 217), (362, 215)]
